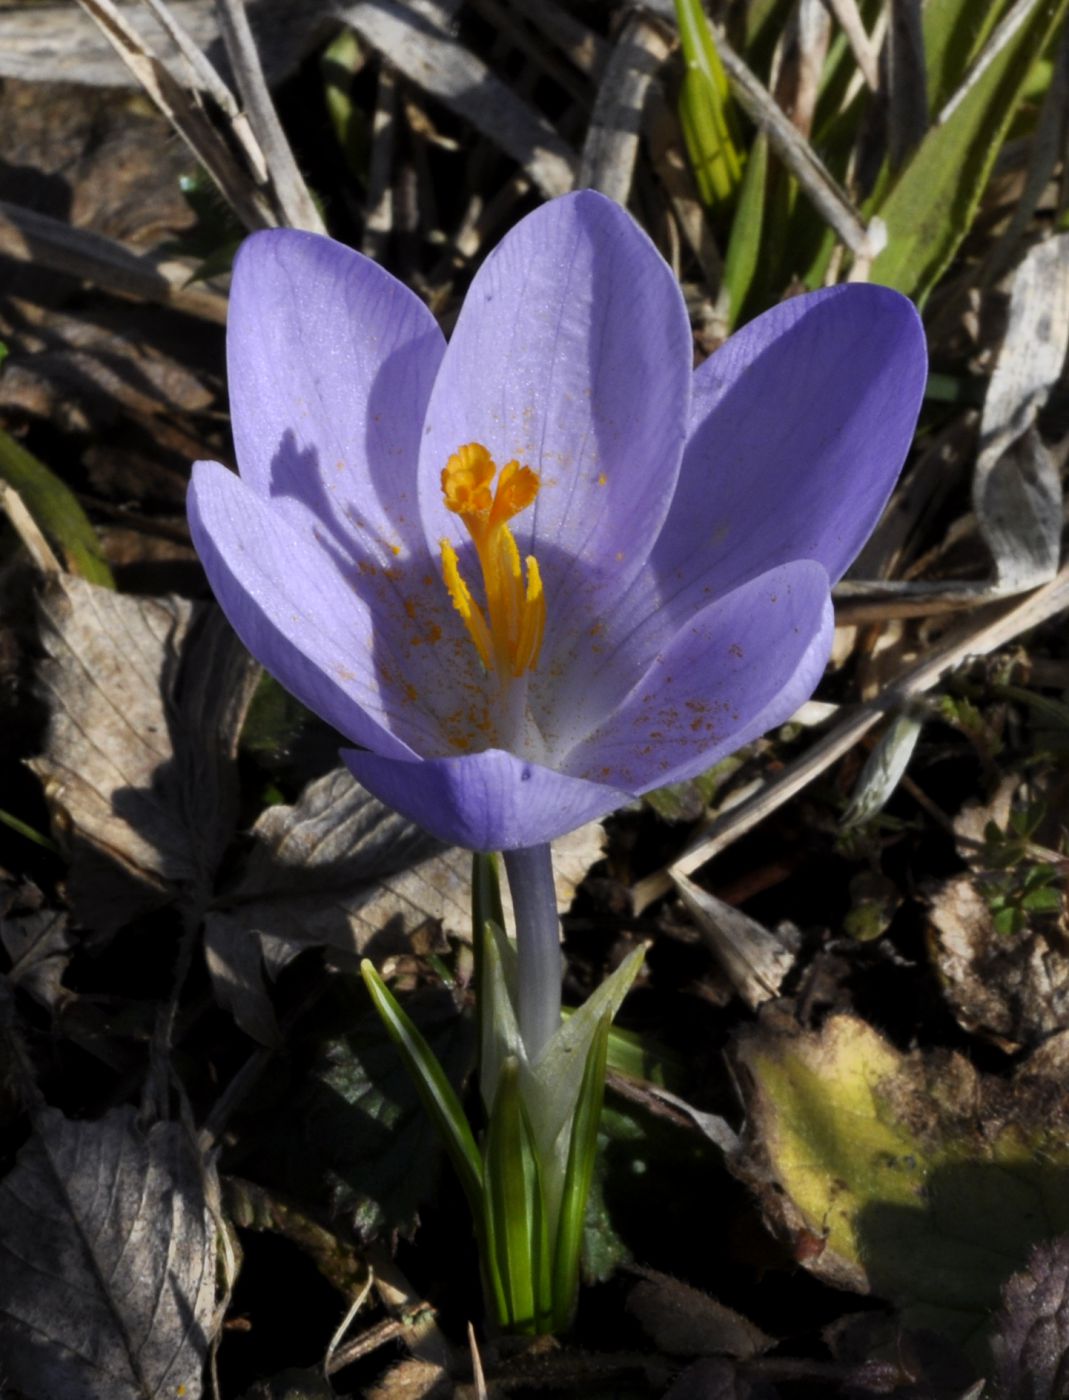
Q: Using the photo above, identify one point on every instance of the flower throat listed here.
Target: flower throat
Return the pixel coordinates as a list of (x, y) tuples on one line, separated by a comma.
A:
[(508, 636)]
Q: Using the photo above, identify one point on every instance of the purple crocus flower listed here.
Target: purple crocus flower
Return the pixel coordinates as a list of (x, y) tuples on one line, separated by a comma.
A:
[(546, 567)]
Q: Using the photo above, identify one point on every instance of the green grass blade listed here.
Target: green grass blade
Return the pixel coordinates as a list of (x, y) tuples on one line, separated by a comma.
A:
[(485, 909), (515, 1207), (499, 1035), (713, 160), (578, 1174), (954, 31), (339, 65), (55, 510), (434, 1088), (29, 832), (744, 246), (485, 893), (930, 207), (699, 48), (707, 111)]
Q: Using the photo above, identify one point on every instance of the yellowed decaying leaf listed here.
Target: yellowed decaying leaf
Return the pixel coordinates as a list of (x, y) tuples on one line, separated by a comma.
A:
[(910, 1176)]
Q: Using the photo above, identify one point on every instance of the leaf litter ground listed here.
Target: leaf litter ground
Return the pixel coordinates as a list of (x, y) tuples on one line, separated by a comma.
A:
[(835, 1145)]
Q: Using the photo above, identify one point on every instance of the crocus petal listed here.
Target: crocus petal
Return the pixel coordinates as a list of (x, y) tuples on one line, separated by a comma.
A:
[(595, 663), (572, 355), (800, 424), (299, 615), (490, 801), (709, 581), (738, 667), (330, 363)]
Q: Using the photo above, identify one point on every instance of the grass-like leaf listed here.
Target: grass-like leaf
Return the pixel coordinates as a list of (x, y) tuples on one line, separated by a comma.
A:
[(744, 245), (706, 111), (517, 1228), (485, 910), (579, 1172), (55, 510), (434, 1088), (931, 206)]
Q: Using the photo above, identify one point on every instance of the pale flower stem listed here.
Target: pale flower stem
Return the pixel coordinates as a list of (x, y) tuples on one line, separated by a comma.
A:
[(538, 972)]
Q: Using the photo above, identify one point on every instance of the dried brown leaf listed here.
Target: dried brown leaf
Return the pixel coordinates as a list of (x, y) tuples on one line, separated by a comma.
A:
[(798, 64), (340, 870), (755, 960), (85, 157), (1017, 491), (138, 757), (683, 1321), (83, 374), (412, 1380), (611, 146), (853, 26), (1012, 988), (107, 1262), (717, 1379), (1031, 1341), (55, 246), (38, 944), (292, 198), (586, 49), (238, 182), (54, 41), (418, 45)]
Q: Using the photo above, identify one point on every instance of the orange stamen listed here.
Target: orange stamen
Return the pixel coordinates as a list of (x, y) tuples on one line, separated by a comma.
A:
[(508, 637)]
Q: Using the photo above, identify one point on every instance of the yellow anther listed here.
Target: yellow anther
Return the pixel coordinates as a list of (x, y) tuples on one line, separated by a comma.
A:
[(508, 636), (534, 620), (466, 605)]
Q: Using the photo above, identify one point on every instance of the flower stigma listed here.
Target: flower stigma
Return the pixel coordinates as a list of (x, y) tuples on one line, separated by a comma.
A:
[(508, 635)]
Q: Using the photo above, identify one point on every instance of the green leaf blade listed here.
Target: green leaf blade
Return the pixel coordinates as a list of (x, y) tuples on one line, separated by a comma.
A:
[(56, 510), (434, 1088), (930, 207), (577, 1178), (515, 1209), (744, 246), (706, 111)]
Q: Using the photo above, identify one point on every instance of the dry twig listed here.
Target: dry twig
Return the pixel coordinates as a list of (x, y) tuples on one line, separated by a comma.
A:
[(988, 629), (187, 118), (30, 237), (428, 54), (611, 147), (295, 204)]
